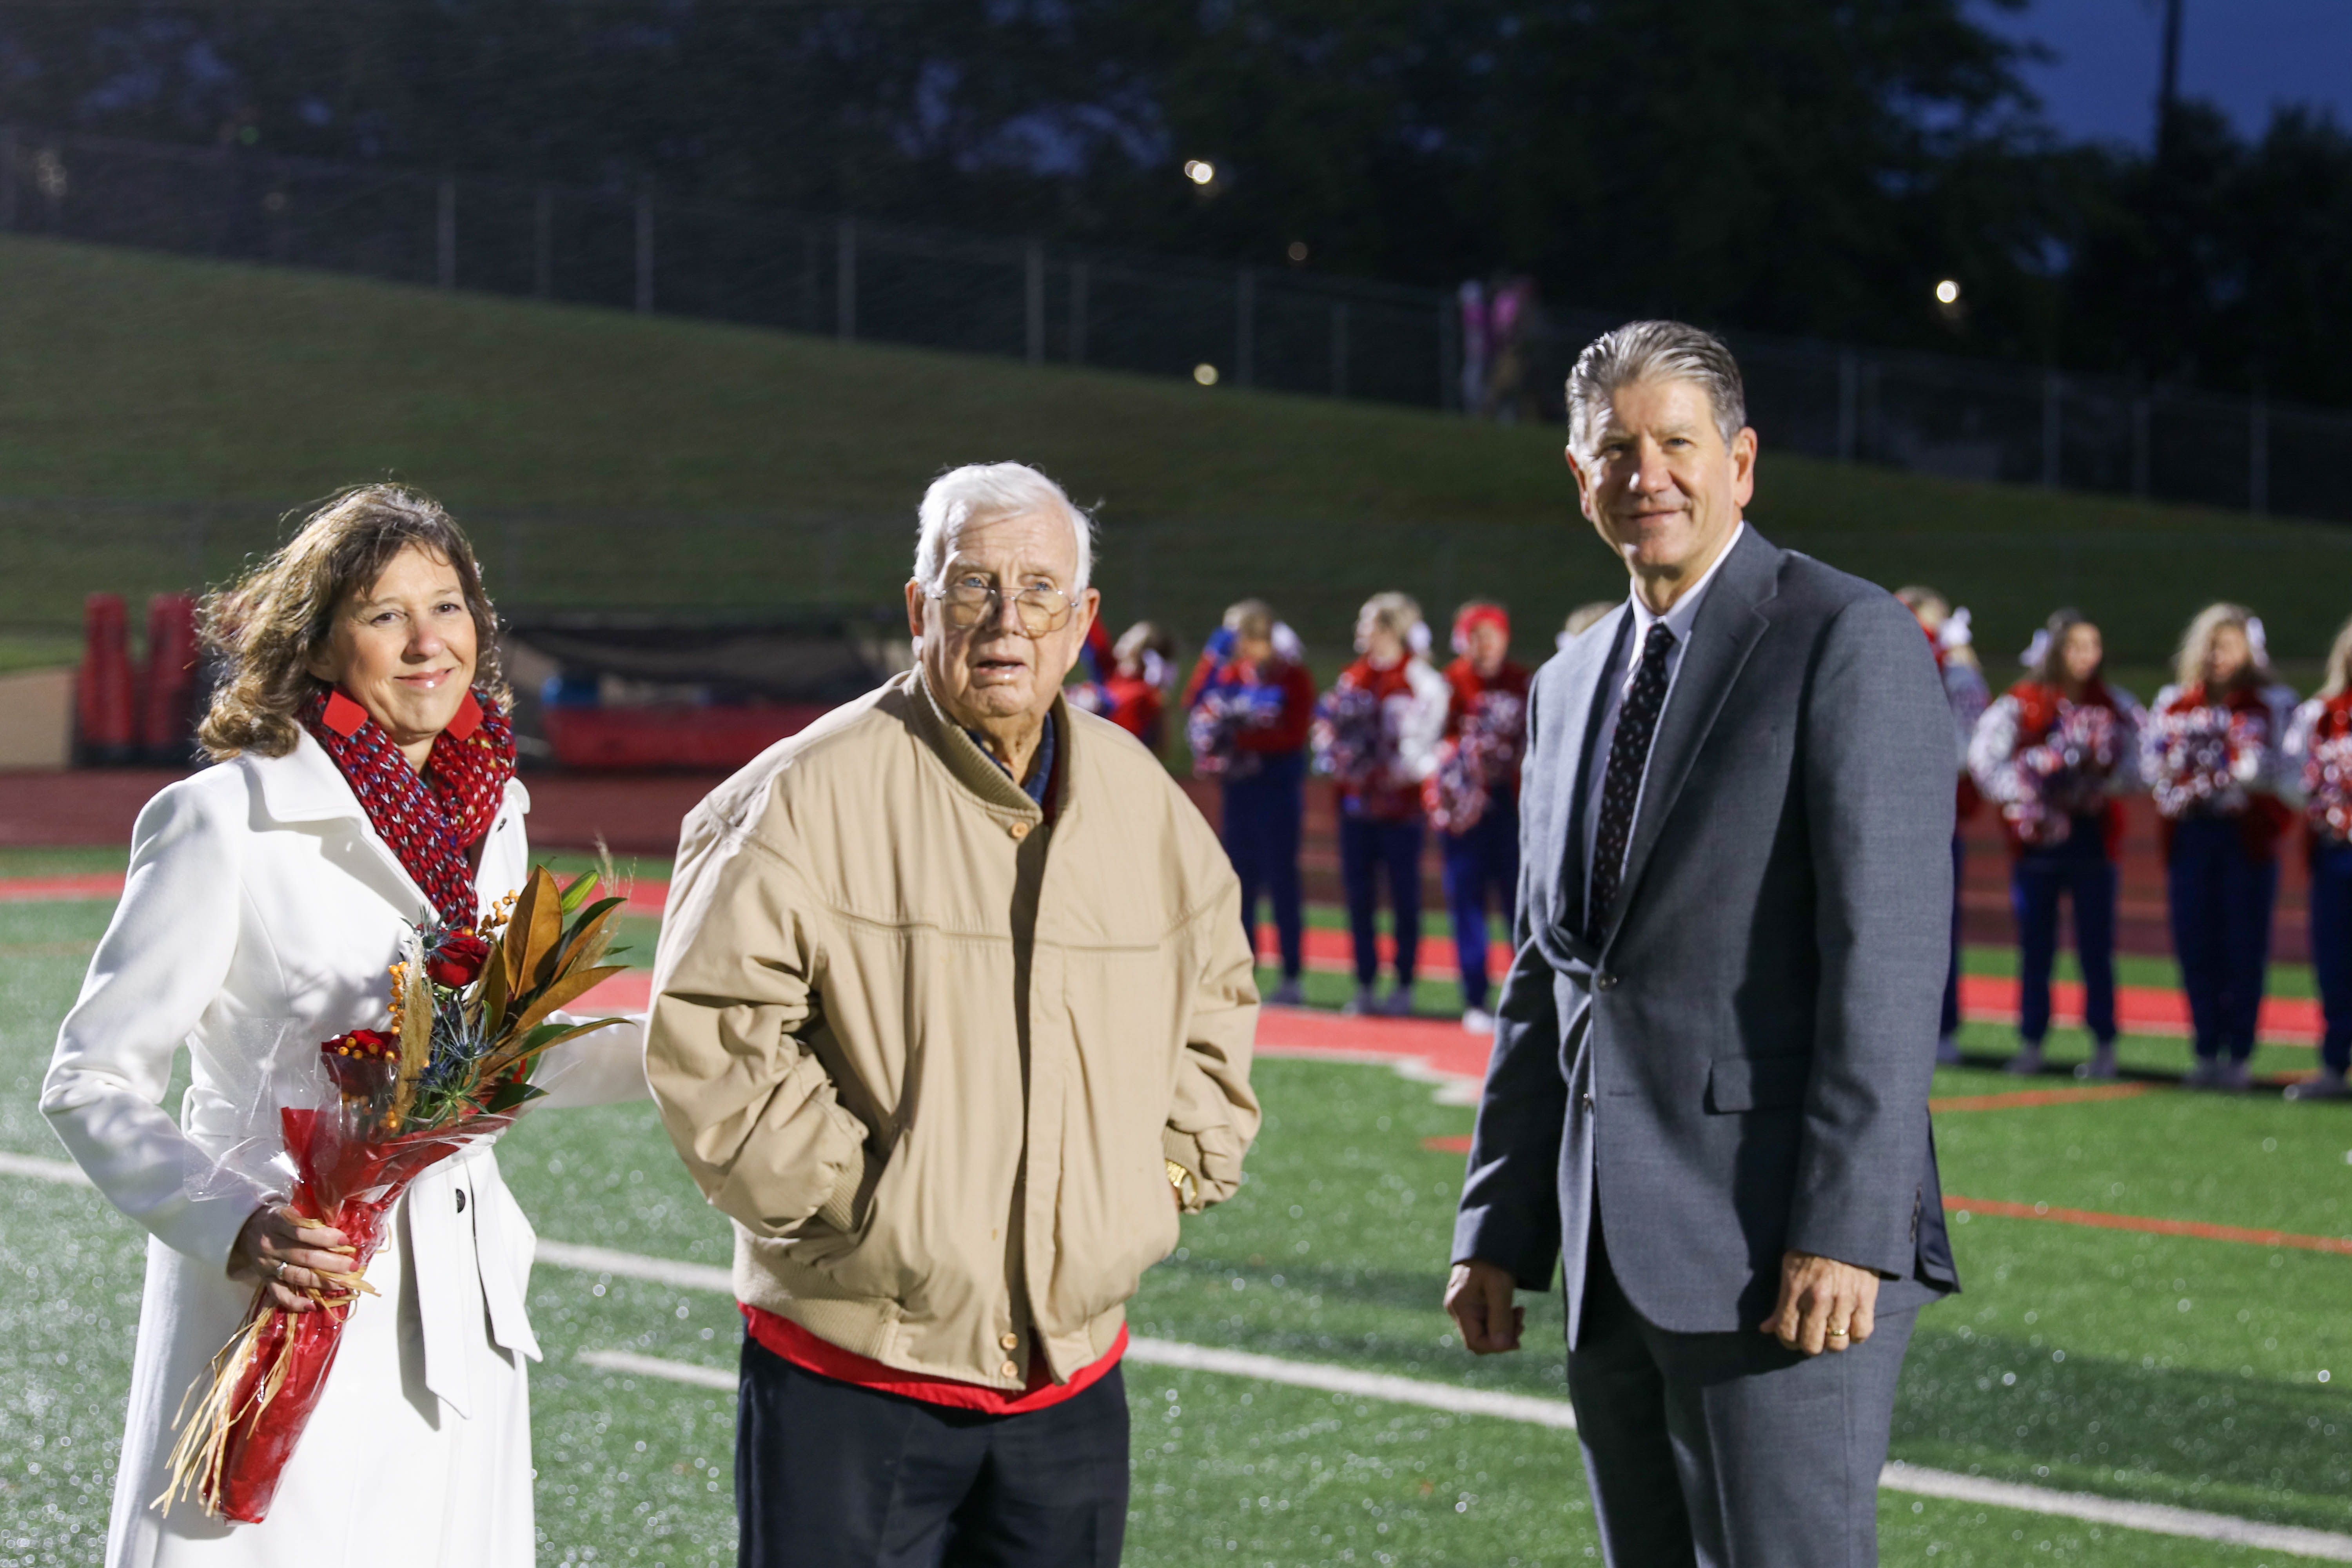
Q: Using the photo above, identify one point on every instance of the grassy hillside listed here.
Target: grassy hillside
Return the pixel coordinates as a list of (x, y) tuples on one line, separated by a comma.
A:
[(159, 415)]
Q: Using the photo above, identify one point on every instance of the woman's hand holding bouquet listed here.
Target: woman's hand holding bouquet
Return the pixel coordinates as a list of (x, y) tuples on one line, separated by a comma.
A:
[(470, 1022)]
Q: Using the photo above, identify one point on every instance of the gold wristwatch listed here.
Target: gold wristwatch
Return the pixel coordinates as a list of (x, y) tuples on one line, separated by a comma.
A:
[(1188, 1191)]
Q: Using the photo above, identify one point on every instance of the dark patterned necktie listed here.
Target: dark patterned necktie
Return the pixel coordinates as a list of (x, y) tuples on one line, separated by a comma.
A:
[(1620, 786)]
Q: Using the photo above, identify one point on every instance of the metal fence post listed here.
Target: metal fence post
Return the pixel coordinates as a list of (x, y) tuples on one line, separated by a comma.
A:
[(1849, 426), (543, 244), (1245, 328), (1034, 300), (445, 235), (2258, 455), (1449, 353), (7, 177), (645, 250), (1079, 276), (845, 281), (2053, 413), (2139, 447), (1339, 350)]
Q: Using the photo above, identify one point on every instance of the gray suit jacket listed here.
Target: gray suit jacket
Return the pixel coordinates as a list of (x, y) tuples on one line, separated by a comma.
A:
[(1741, 1067)]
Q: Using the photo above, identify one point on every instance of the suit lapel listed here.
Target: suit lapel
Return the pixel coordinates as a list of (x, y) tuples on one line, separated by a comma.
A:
[(1729, 622), (1587, 665)]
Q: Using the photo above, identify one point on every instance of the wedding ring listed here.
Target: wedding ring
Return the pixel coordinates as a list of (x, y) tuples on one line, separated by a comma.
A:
[(1839, 1335), (277, 1272)]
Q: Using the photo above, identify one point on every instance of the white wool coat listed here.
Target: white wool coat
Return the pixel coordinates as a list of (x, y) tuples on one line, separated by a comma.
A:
[(259, 915)]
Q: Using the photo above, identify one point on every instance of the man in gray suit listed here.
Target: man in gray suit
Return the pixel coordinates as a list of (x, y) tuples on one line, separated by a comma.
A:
[(1710, 1086)]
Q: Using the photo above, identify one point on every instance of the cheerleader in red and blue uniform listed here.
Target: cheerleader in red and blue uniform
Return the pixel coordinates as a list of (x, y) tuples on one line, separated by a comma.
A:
[(1247, 708), (2054, 753), (2319, 744), (1949, 636), (1473, 798), (1135, 691), (2213, 749), (1376, 734)]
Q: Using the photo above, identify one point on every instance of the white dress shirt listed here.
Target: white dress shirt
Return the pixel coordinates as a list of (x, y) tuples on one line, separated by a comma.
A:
[(1617, 680)]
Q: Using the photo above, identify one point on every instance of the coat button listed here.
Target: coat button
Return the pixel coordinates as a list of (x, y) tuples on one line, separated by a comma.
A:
[(461, 1200), (1008, 1370), (1605, 981), (1019, 830), (1009, 1342)]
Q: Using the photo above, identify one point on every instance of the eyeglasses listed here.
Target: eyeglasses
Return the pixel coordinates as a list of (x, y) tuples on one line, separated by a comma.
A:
[(970, 600)]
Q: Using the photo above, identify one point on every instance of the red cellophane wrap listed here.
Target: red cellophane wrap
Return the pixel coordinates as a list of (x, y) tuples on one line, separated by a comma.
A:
[(349, 1183)]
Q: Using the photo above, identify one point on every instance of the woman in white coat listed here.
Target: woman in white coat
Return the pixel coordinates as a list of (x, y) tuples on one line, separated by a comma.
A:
[(364, 781)]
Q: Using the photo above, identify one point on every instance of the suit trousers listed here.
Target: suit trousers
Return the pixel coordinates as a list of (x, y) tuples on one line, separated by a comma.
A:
[(2078, 869), (1725, 1451), (2222, 902), (830, 1474), (1950, 1025)]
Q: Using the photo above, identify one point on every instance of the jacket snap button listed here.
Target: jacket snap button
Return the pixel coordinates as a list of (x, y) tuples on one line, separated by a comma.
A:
[(1009, 1341), (1019, 830), (1604, 982), (461, 1200), (1008, 1370)]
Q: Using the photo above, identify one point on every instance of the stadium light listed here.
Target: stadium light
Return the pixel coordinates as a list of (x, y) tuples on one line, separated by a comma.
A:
[(1206, 374), (1198, 171), (1947, 292)]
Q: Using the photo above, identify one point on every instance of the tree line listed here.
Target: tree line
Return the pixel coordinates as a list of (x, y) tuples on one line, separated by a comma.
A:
[(1813, 166)]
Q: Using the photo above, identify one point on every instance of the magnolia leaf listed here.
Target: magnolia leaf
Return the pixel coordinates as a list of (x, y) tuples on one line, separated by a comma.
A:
[(575, 984), (496, 990), (545, 1039), (591, 934), (512, 1095), (536, 931), (577, 893)]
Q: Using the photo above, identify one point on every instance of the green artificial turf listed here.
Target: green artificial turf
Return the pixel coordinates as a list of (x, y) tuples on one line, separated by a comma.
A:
[(162, 413), (2153, 1368)]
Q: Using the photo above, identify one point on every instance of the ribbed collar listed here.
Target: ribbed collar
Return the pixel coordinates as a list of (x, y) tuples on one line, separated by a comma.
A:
[(974, 768)]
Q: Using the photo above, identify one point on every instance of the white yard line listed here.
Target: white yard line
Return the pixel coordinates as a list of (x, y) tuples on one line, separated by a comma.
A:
[(2156, 1519)]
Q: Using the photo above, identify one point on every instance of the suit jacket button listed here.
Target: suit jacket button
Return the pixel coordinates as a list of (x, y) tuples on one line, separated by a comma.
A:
[(1605, 981)]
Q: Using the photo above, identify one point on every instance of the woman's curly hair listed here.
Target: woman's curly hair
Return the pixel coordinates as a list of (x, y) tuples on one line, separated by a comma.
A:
[(265, 628)]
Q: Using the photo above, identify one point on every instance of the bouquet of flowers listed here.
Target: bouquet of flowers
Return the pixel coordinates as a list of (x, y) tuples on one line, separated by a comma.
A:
[(1217, 724), (1351, 740), (470, 1020), (2065, 776), (2193, 760), (2328, 783), (1484, 758)]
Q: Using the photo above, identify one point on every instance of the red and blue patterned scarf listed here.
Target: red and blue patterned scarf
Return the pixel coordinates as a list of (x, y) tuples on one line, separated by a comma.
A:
[(430, 819)]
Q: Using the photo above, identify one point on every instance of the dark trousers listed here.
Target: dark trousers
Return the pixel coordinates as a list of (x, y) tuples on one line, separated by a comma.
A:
[(1367, 848), (829, 1474), (2331, 949), (1263, 819), (2078, 870), (2222, 899), (1725, 1451), (1951, 1025), (1482, 873)]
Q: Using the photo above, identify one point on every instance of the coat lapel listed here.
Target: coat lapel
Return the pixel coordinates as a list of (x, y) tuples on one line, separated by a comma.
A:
[(1584, 666), (1730, 622)]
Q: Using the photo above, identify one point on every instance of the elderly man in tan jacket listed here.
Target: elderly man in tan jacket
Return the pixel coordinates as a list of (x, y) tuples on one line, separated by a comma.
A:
[(953, 1016)]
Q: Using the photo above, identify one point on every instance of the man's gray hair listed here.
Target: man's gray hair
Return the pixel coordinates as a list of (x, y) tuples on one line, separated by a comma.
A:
[(1651, 351), (979, 492)]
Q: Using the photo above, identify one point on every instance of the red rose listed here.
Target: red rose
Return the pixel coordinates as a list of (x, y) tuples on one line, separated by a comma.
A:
[(361, 1062), (457, 961)]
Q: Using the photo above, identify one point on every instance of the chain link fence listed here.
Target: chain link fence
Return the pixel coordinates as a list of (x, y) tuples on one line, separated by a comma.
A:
[(1285, 330)]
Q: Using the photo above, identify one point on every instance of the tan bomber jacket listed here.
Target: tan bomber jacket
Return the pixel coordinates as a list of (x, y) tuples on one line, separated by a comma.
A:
[(930, 1053)]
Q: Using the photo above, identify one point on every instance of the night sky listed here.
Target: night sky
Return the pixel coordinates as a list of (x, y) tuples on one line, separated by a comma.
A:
[(2243, 55)]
